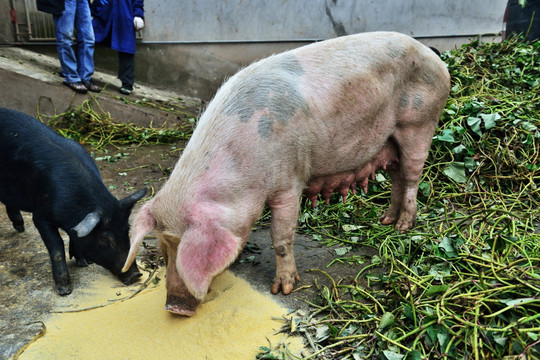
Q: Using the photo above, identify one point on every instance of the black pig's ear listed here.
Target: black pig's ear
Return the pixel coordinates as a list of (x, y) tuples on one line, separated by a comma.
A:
[(128, 202), (87, 224)]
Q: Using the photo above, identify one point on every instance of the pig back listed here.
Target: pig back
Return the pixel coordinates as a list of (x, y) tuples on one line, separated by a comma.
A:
[(355, 87), (318, 110), (42, 169)]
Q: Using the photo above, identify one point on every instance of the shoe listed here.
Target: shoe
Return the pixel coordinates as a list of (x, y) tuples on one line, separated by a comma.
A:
[(91, 86), (78, 87), (125, 91)]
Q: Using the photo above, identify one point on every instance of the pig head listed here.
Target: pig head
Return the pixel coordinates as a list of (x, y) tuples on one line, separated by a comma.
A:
[(318, 119), (200, 249)]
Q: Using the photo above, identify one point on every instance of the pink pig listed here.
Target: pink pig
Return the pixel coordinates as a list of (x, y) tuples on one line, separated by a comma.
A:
[(317, 119)]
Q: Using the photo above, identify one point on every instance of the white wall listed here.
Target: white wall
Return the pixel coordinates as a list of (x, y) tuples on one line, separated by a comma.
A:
[(192, 45), (286, 20)]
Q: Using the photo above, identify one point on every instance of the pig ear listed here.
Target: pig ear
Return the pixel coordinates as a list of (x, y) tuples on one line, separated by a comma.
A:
[(144, 223), (204, 252), (87, 224), (129, 201)]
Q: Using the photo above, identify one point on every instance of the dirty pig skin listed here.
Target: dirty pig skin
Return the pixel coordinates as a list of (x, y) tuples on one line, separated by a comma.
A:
[(317, 119), (56, 180)]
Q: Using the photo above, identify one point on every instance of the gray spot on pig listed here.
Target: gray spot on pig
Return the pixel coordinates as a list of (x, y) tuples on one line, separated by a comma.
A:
[(403, 100), (429, 79), (417, 101), (245, 114), (274, 91), (266, 126)]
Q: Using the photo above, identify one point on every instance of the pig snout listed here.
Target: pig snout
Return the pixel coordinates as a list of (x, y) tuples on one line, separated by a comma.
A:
[(131, 275), (179, 299), (182, 305)]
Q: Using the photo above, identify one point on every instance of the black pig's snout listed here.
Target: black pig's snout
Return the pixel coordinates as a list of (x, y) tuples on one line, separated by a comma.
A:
[(130, 276)]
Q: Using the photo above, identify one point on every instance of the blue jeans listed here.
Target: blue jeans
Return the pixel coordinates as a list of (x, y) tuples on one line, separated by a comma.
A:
[(76, 16)]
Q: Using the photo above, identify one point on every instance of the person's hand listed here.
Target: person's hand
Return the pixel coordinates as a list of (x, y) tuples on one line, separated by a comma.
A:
[(138, 23)]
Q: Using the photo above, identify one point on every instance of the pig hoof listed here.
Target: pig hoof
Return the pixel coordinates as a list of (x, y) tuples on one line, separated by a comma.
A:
[(175, 309), (387, 219), (286, 284), (63, 289), (81, 262), (19, 227), (403, 226), (406, 222)]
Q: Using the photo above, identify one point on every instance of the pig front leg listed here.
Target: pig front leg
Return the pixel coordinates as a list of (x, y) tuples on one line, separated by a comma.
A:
[(16, 218), (284, 217), (55, 246)]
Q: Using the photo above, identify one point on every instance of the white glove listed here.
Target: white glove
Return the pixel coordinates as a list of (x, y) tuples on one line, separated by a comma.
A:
[(138, 23)]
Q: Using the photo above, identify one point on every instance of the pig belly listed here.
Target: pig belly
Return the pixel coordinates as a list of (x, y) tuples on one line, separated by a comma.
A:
[(326, 185)]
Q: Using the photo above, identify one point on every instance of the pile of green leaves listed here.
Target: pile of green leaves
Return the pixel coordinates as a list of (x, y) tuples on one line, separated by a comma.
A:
[(465, 282), (89, 124)]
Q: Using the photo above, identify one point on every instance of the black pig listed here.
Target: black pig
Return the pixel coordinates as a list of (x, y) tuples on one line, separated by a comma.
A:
[(56, 180)]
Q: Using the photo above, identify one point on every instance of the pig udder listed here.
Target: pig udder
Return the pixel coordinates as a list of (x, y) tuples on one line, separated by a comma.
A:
[(387, 159)]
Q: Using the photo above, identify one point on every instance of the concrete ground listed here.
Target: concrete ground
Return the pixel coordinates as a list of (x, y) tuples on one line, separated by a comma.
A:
[(31, 83), (27, 296)]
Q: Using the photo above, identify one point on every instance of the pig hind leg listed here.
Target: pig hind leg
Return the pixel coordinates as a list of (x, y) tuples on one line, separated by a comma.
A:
[(413, 143), (16, 218), (392, 214), (284, 210)]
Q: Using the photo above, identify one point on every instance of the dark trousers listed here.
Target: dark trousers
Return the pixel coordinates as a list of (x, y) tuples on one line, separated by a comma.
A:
[(126, 69)]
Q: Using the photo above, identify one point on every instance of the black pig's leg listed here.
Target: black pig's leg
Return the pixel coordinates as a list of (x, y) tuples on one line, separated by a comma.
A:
[(16, 218), (75, 252), (55, 245)]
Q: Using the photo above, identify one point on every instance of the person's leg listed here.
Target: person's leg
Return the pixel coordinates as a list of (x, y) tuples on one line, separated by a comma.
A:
[(85, 45), (64, 42), (126, 71)]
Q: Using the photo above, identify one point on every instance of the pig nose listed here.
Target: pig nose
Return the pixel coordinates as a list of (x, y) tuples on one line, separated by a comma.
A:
[(130, 278), (131, 275), (182, 305)]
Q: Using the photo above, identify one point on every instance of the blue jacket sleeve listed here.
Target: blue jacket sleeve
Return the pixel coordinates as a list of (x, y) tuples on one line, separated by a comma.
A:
[(102, 19), (138, 8), (55, 7)]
